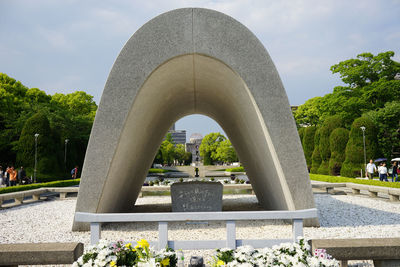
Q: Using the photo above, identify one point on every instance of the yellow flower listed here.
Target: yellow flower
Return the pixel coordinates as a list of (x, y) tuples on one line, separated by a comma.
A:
[(113, 263), (133, 250), (142, 244), (220, 263), (165, 262), (129, 245)]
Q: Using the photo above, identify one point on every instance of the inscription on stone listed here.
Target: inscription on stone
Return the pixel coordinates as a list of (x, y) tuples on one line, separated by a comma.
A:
[(196, 196)]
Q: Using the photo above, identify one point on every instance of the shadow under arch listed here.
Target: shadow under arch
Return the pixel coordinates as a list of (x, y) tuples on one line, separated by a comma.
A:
[(153, 84)]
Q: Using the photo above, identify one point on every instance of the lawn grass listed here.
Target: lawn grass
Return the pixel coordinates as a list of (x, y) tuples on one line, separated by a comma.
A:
[(338, 179)]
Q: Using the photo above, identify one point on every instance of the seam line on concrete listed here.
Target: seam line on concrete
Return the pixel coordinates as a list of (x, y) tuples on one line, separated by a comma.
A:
[(193, 67)]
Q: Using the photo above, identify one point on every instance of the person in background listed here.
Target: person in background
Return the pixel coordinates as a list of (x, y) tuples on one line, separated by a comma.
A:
[(7, 177), (371, 168), (383, 172), (394, 172), (21, 175), (13, 176), (74, 172)]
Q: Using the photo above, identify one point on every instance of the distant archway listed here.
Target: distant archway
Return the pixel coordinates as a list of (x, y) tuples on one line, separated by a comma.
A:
[(183, 62)]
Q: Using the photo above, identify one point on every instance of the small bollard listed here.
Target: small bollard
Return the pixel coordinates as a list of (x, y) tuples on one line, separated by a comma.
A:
[(196, 261)]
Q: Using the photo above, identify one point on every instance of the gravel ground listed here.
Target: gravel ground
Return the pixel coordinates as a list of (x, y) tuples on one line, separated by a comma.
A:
[(341, 216)]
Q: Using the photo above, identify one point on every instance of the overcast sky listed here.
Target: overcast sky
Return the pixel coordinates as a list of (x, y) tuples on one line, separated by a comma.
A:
[(70, 45)]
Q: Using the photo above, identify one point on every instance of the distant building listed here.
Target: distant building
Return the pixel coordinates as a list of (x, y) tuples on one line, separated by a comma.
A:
[(178, 136), (194, 145)]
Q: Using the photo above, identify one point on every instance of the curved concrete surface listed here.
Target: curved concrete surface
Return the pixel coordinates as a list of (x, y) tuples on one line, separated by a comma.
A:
[(183, 62)]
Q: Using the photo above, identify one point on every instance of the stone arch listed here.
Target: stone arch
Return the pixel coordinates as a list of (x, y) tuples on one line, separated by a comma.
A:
[(183, 62)]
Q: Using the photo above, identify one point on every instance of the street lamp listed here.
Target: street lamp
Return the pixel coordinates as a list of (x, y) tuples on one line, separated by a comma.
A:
[(34, 172), (365, 155), (65, 153)]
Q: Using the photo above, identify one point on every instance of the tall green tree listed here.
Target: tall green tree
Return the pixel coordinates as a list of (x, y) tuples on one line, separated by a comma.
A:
[(208, 147), (308, 144), (338, 141), (316, 156), (354, 161), (225, 152), (325, 131)]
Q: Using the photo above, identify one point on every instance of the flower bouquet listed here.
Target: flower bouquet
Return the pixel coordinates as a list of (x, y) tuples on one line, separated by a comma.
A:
[(285, 254), (121, 254)]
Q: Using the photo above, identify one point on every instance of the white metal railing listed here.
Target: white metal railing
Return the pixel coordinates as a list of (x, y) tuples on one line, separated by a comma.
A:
[(297, 217)]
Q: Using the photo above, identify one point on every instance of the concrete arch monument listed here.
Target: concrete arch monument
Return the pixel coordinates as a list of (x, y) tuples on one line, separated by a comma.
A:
[(182, 62)]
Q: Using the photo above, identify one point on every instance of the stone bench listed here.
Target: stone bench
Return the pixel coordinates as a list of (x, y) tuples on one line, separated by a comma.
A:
[(39, 253), (373, 191), (328, 186), (19, 196), (384, 252), (63, 190)]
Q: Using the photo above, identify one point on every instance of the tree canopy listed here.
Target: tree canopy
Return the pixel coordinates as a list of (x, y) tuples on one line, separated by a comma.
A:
[(69, 116)]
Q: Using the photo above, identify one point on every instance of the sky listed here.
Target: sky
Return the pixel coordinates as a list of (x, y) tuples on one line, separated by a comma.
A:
[(71, 45)]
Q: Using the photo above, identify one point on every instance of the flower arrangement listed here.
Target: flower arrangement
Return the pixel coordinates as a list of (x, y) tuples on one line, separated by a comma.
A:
[(120, 254), (286, 254)]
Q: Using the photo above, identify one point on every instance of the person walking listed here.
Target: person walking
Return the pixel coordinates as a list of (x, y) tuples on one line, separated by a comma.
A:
[(74, 172), (13, 176), (21, 176), (371, 168), (394, 172), (383, 172)]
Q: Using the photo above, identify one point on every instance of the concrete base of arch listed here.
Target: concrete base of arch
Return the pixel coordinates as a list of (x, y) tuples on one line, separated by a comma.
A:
[(184, 62)]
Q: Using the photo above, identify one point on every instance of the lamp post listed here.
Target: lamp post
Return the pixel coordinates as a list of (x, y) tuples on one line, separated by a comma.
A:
[(34, 172), (65, 153), (365, 155)]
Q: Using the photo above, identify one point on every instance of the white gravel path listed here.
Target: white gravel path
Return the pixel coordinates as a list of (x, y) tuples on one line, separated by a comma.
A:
[(340, 216)]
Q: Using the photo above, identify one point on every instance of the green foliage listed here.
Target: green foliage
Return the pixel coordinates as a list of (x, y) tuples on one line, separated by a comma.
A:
[(308, 144), (154, 170), (325, 131), (316, 157), (369, 83), (225, 152), (36, 186), (70, 116), (387, 121), (208, 147), (354, 161), (235, 169), (338, 141), (301, 133), (338, 179), (46, 145)]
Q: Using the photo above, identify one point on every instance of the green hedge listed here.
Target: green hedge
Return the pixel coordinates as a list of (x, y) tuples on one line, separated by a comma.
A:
[(18, 188), (338, 179), (236, 169), (316, 156), (308, 144), (338, 141), (153, 170)]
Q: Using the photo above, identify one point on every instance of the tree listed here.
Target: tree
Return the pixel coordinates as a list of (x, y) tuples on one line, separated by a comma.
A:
[(47, 154), (338, 141), (325, 131), (225, 152), (179, 153), (316, 157), (354, 161), (208, 147), (387, 121), (167, 152), (308, 144)]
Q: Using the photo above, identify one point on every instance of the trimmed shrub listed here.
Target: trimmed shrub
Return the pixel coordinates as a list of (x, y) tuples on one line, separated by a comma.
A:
[(328, 126), (301, 134), (308, 144), (18, 188), (338, 141), (338, 179), (316, 157), (235, 169), (354, 161), (47, 154)]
